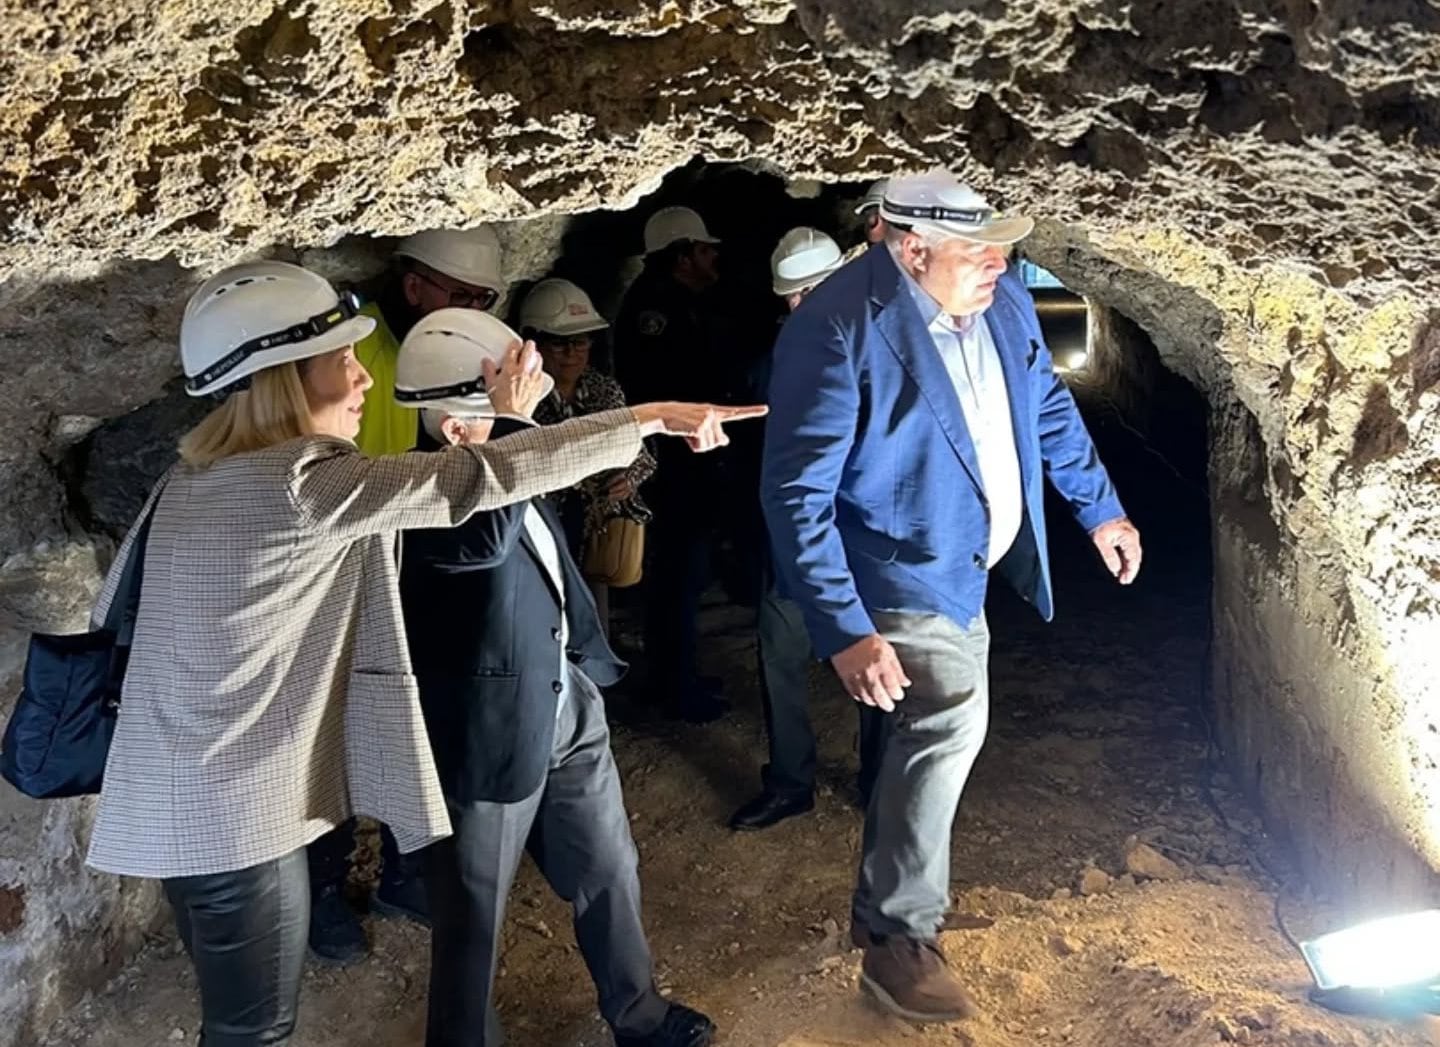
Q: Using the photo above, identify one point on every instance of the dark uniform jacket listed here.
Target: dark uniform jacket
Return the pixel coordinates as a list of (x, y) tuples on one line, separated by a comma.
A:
[(669, 345), (483, 623)]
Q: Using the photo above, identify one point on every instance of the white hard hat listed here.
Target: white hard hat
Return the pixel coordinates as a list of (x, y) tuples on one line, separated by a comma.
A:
[(873, 197), (259, 314), (939, 201), (559, 307), (471, 256), (803, 258), (670, 224), (441, 361)]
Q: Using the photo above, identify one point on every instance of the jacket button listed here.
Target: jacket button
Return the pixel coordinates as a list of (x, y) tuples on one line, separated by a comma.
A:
[(556, 686), (555, 634), (979, 561)]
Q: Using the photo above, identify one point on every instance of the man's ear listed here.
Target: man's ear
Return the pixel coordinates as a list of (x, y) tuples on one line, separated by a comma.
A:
[(410, 288), (455, 429), (915, 250)]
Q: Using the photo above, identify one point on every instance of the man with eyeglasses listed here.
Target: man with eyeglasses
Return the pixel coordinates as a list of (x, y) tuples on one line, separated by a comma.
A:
[(439, 269)]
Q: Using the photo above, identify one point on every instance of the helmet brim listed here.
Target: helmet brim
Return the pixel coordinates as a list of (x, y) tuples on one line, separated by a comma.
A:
[(593, 324), (783, 287), (1002, 231)]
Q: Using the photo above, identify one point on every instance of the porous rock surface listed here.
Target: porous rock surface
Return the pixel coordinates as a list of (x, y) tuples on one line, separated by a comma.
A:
[(1254, 183)]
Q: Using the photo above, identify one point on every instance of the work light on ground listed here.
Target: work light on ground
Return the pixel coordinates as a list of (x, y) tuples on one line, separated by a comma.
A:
[(1390, 965)]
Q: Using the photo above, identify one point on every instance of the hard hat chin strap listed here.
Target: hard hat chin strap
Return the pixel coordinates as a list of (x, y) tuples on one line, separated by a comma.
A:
[(457, 391), (976, 216)]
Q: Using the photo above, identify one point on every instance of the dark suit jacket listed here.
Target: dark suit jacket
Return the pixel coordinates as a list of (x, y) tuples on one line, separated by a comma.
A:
[(483, 622)]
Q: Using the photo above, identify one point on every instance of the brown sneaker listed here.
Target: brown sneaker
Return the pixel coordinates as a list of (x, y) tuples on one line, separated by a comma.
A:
[(909, 977)]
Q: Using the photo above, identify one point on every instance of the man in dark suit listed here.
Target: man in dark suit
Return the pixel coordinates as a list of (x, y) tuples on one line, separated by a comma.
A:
[(508, 650), (914, 417)]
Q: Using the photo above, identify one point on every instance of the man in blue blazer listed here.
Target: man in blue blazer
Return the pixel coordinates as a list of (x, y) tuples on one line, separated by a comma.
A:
[(914, 413)]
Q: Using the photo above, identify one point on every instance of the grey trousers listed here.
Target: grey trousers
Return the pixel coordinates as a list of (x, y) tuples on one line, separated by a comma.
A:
[(929, 743), (576, 829)]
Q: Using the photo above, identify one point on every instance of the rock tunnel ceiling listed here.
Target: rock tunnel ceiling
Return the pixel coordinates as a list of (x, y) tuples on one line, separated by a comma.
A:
[(1253, 182), (1299, 131)]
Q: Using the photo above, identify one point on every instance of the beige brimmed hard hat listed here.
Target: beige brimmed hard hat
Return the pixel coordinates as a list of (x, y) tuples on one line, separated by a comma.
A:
[(938, 201), (471, 256), (558, 307), (802, 259), (670, 224)]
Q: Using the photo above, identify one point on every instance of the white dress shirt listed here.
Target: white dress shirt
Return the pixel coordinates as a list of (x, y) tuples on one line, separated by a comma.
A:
[(543, 539), (968, 352)]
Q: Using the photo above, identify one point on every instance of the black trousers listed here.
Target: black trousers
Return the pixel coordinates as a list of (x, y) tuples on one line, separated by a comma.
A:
[(680, 540), (245, 932)]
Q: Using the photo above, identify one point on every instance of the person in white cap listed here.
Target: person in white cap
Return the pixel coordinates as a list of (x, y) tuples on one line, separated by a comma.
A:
[(869, 211), (269, 693), (915, 415), (800, 262), (437, 269), (508, 653), (667, 346), (561, 320)]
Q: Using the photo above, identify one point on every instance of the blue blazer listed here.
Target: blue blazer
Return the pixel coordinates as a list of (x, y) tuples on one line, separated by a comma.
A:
[(871, 487)]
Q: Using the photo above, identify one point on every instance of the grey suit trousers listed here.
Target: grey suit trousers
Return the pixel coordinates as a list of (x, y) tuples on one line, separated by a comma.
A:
[(576, 829), (928, 745)]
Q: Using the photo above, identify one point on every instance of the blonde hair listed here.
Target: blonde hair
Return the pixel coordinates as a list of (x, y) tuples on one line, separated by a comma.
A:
[(271, 411)]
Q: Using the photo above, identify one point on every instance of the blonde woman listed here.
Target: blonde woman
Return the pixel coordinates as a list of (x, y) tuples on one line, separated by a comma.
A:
[(269, 693)]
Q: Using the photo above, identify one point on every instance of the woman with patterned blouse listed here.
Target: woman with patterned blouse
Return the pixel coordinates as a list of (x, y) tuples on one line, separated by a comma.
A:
[(561, 319)]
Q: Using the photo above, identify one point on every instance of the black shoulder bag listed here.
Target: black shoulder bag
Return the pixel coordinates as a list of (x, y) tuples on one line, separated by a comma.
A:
[(59, 732)]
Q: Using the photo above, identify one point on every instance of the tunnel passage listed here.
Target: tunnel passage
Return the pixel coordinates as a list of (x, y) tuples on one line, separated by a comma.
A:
[(1086, 828), (1101, 730)]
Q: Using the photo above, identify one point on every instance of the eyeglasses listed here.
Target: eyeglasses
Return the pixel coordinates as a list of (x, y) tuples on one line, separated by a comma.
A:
[(574, 344), (347, 306), (460, 297)]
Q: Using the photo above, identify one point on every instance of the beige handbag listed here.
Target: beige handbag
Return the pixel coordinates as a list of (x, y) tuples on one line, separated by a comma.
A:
[(614, 552)]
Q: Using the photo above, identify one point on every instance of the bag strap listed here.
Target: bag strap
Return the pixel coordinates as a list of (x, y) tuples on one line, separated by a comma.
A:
[(124, 607)]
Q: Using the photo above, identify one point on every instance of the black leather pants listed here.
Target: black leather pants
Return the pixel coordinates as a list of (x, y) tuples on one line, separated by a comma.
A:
[(245, 932)]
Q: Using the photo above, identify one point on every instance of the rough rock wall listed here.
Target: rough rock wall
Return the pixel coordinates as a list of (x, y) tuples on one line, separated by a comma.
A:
[(1324, 490), (1253, 181)]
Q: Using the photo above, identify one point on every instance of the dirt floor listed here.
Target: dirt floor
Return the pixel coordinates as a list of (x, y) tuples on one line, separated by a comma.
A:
[(1096, 744)]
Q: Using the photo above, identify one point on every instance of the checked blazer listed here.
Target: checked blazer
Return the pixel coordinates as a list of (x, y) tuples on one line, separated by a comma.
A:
[(270, 693)]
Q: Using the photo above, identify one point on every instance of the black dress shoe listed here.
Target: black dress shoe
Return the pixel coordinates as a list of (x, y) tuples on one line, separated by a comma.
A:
[(681, 1027), (402, 898), (702, 708), (336, 937), (768, 808), (708, 684)]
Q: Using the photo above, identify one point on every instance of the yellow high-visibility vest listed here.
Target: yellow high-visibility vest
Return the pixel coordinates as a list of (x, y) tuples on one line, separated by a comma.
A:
[(385, 427)]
